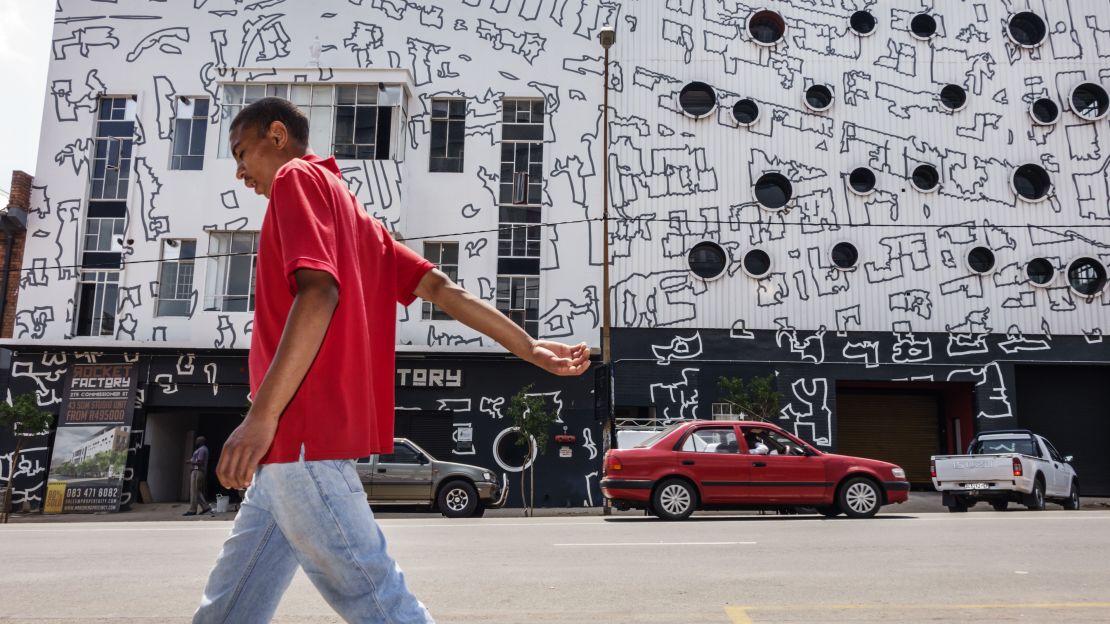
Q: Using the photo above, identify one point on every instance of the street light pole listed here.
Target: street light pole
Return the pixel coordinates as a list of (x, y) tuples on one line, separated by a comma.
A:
[(607, 37)]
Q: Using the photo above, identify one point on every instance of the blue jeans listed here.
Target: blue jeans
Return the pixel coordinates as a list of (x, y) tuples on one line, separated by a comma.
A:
[(313, 514)]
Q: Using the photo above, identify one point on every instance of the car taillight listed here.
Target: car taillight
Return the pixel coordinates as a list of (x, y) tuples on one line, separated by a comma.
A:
[(613, 464), (933, 468), (1017, 467)]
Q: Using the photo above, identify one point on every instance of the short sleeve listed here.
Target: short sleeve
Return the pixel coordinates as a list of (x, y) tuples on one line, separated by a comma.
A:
[(306, 224), (411, 268)]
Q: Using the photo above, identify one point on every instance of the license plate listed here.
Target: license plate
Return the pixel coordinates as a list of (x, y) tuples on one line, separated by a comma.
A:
[(976, 486)]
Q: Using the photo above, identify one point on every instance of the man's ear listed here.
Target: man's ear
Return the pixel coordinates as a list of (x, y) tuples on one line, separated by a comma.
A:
[(279, 134)]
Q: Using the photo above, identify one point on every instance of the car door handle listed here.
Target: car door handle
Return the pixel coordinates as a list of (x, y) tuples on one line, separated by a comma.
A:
[(1055, 465), (759, 464), (381, 470), (687, 462)]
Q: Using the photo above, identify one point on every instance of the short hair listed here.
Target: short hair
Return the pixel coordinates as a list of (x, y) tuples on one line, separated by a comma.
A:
[(261, 114)]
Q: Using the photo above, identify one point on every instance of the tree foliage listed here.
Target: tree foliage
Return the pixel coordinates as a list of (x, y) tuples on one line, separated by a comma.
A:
[(756, 398), (532, 420)]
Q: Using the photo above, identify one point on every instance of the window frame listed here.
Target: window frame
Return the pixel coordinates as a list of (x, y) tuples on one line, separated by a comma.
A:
[(178, 262), (218, 272), (451, 124), (428, 310), (103, 282), (179, 123), (530, 326)]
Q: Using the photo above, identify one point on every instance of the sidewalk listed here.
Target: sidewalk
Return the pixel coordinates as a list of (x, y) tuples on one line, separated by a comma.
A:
[(920, 502)]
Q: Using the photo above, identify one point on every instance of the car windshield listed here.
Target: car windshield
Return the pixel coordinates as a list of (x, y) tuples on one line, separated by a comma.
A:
[(1023, 446), (658, 436)]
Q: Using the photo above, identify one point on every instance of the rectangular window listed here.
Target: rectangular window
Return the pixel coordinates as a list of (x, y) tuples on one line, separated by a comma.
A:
[(348, 121), (521, 180), (190, 129), (518, 297), (97, 298), (723, 411), (104, 234), (175, 282), (229, 286), (115, 136), (446, 258), (448, 135)]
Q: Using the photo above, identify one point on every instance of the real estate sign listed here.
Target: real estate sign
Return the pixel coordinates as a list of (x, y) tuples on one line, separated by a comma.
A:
[(94, 429)]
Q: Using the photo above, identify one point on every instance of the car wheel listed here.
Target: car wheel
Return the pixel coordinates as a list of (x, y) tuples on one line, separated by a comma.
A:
[(830, 511), (1035, 500), (457, 499), (1072, 501), (860, 498), (674, 499), (1000, 505)]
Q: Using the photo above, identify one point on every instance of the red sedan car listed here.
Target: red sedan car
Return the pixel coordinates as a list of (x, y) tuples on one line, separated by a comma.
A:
[(707, 464)]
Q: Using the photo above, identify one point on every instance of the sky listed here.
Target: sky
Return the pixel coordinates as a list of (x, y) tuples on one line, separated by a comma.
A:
[(25, 34)]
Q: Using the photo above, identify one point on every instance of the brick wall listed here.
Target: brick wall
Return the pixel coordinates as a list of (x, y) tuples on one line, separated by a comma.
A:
[(19, 199)]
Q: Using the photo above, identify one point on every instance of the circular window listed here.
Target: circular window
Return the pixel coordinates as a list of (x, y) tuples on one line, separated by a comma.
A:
[(819, 97), (980, 260), (773, 190), (745, 112), (1027, 29), (923, 26), (953, 97), (707, 260), (844, 255), (863, 23), (757, 263), (1044, 112), (766, 27), (926, 178), (862, 181), (1040, 271), (1090, 101), (1087, 276), (697, 99), (1031, 182)]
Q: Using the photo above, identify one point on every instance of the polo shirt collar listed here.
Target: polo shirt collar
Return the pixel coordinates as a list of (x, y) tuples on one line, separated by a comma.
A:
[(327, 163)]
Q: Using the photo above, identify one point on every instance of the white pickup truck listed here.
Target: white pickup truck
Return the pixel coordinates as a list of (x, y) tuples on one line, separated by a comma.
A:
[(1006, 466)]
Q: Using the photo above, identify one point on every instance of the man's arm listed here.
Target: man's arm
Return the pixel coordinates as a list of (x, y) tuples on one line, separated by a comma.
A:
[(472, 311), (316, 300)]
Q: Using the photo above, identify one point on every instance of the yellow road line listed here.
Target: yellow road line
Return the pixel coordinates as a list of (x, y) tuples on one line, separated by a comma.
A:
[(740, 615)]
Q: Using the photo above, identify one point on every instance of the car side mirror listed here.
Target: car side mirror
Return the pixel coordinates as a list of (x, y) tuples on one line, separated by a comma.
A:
[(422, 459), (1069, 458)]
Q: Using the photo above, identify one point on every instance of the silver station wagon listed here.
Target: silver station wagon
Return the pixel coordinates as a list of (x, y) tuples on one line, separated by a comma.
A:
[(411, 476)]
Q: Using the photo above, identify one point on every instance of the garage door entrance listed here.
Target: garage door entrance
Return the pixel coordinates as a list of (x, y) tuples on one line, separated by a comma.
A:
[(1070, 405), (902, 423)]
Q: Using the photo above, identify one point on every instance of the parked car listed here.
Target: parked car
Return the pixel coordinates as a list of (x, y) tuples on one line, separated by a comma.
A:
[(705, 464), (411, 476), (1003, 467)]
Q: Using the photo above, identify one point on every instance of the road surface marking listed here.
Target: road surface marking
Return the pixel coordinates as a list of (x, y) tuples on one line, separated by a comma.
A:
[(659, 544), (740, 615)]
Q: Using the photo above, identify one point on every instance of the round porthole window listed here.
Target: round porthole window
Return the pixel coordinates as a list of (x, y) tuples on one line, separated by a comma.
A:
[(745, 112), (844, 255), (925, 178), (1090, 101), (1040, 271), (757, 263), (1044, 112), (862, 181), (766, 27), (773, 190), (980, 260), (863, 23), (1027, 29), (707, 260), (923, 26), (1087, 276), (953, 97), (697, 99), (819, 97), (1031, 182)]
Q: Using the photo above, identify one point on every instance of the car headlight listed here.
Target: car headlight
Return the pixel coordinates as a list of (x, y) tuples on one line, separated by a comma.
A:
[(487, 476), (899, 473)]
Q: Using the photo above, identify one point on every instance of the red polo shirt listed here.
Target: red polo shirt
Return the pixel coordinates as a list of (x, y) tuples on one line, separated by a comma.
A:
[(344, 407)]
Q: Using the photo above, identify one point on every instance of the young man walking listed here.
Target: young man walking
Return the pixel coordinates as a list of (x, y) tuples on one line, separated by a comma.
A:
[(328, 281)]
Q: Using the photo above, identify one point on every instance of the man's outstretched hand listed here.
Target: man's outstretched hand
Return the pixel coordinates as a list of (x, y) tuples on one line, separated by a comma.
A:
[(243, 450), (561, 359)]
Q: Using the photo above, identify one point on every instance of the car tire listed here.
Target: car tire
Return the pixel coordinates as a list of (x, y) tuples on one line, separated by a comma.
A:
[(859, 498), (830, 511), (1000, 505), (1071, 503), (457, 499), (1035, 500), (674, 499)]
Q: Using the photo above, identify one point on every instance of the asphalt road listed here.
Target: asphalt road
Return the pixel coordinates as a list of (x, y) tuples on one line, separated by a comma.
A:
[(898, 567)]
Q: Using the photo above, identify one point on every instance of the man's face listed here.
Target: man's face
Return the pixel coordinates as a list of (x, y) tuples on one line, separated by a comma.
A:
[(257, 156)]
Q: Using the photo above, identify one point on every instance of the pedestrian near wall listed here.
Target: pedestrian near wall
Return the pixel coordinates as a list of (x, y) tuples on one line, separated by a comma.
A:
[(198, 479), (329, 278)]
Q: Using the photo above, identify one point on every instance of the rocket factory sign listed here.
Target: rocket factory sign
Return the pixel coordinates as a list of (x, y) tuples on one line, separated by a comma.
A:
[(90, 449), (429, 378)]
